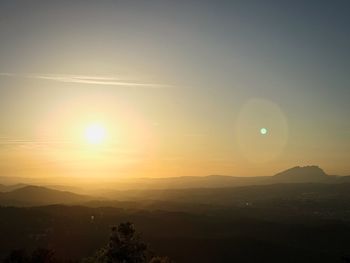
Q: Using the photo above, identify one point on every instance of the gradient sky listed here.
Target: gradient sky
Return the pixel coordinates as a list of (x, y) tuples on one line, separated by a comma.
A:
[(182, 87)]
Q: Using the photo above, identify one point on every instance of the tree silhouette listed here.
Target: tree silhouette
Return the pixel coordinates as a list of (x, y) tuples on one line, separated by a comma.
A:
[(125, 246)]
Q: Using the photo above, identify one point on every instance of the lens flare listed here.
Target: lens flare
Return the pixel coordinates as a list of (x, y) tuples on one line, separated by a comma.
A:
[(263, 131)]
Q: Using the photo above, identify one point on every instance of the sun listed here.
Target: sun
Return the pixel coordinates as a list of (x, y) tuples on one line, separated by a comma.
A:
[(95, 133)]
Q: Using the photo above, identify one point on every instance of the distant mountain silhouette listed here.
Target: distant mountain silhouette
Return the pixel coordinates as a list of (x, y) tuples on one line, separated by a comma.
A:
[(302, 174), (37, 195), (306, 174), (293, 175)]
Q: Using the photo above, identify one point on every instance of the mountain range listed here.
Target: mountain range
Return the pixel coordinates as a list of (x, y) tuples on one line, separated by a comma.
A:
[(219, 189), (293, 175)]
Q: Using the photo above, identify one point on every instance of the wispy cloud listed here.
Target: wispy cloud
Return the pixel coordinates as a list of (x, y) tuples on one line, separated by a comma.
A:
[(84, 79), (65, 150), (8, 143)]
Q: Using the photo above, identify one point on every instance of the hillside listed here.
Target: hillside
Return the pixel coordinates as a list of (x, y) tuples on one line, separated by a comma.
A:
[(36, 195)]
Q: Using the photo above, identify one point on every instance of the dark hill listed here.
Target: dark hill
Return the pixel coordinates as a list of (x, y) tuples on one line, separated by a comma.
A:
[(302, 174), (37, 195), (9, 188)]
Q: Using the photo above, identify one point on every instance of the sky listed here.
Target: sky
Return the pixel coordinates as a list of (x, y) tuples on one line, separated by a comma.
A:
[(177, 88)]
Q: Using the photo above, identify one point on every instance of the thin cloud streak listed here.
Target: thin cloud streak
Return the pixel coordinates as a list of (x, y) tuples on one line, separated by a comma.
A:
[(90, 80), (8, 142), (63, 146)]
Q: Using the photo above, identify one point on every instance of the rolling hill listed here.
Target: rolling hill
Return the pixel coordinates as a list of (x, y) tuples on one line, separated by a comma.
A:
[(37, 195)]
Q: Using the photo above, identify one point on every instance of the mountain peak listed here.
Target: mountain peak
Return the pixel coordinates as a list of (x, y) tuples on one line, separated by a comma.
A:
[(304, 173)]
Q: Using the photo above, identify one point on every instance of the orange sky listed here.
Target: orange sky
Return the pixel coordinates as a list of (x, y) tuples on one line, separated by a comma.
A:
[(178, 90)]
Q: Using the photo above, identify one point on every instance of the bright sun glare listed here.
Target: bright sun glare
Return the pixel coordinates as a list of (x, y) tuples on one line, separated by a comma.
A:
[(95, 133)]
